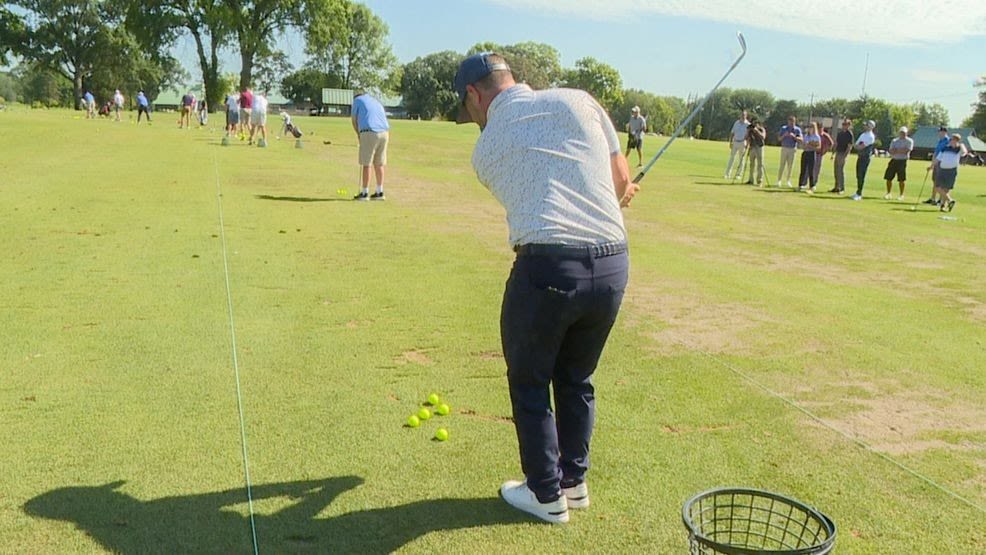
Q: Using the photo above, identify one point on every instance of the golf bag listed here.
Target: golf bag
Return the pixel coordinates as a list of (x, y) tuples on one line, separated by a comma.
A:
[(293, 129)]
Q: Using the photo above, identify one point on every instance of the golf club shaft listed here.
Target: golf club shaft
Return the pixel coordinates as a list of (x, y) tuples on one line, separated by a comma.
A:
[(695, 111), (923, 183)]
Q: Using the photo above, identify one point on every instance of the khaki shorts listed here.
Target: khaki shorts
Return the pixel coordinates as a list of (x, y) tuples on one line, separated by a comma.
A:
[(373, 148), (258, 118)]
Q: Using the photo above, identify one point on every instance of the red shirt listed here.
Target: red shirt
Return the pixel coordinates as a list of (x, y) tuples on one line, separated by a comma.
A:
[(246, 99)]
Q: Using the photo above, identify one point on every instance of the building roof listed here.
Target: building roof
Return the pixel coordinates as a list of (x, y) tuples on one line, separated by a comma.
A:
[(927, 137)]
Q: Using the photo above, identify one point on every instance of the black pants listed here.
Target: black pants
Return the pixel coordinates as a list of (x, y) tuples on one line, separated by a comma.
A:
[(862, 164), (556, 316), (807, 168), (143, 110)]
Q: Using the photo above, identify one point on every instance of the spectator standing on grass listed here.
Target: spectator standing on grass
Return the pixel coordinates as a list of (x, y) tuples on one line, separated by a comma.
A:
[(117, 103), (755, 137), (948, 169), (737, 147), (185, 117), (943, 140), (864, 150), (635, 134), (232, 105), (900, 151), (843, 144), (812, 143), (90, 102), (203, 112), (373, 134), (790, 137), (552, 158), (143, 107), (823, 149), (246, 107), (258, 119)]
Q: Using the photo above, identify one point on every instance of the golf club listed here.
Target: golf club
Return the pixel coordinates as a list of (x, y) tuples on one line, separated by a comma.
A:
[(698, 108), (921, 192)]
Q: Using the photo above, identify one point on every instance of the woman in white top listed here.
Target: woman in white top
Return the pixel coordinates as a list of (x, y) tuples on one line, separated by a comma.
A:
[(812, 142), (948, 169)]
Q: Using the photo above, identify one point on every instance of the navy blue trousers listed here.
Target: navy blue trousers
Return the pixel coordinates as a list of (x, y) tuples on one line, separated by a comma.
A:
[(862, 164), (556, 316)]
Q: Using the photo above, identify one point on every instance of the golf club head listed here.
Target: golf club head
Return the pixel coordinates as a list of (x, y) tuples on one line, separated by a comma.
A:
[(742, 40)]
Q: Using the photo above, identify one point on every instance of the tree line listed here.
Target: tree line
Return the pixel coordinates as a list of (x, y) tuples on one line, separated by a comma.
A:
[(69, 46)]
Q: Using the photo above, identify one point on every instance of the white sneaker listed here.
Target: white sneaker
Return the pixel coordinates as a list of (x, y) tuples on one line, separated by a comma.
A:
[(789, 186), (857, 197), (577, 496), (518, 495), (900, 197), (887, 196)]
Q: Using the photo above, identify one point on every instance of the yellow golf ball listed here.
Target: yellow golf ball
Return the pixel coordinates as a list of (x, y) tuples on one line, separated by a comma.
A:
[(443, 409), (424, 414), (441, 434), (434, 399), (413, 422)]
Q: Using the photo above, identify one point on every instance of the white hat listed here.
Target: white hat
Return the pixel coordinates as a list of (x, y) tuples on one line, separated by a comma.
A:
[(871, 124), (903, 129), (635, 109)]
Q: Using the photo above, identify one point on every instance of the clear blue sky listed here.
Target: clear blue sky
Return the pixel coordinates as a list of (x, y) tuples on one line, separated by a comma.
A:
[(917, 50)]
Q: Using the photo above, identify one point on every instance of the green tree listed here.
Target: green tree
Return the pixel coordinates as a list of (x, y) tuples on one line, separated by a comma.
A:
[(778, 118), (758, 103), (427, 85), (349, 40), (534, 63), (306, 84), (12, 34), (40, 85), (660, 116), (600, 80), (270, 70), (9, 88), (930, 114), (63, 36), (977, 120)]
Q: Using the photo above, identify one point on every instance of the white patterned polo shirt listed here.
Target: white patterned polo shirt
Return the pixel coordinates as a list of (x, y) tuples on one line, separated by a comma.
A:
[(545, 156)]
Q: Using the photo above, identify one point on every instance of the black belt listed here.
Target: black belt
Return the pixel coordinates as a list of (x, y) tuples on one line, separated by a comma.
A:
[(369, 131), (591, 251)]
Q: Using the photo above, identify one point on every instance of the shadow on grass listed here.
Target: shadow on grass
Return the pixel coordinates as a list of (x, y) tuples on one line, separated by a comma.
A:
[(722, 183), (302, 199), (774, 190), (213, 523)]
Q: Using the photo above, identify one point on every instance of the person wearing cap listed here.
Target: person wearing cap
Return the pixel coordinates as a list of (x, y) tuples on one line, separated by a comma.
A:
[(756, 136), (373, 133), (117, 103), (948, 169), (737, 146), (143, 107), (790, 137), (635, 131), (900, 151), (943, 140), (864, 150), (843, 144), (552, 158)]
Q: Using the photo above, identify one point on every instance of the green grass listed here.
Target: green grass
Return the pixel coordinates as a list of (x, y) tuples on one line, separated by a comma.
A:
[(118, 400)]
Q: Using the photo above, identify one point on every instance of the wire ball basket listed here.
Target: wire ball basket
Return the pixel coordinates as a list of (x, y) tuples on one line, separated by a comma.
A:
[(741, 521)]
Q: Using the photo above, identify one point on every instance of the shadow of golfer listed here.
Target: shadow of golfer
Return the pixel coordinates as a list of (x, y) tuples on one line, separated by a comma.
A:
[(215, 522), (302, 199)]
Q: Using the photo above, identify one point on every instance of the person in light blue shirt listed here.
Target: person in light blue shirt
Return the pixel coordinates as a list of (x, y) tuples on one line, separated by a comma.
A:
[(90, 101), (790, 137), (373, 132), (143, 107)]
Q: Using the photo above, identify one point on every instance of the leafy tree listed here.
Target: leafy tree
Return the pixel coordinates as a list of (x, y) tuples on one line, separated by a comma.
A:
[(534, 63), (427, 85), (778, 118), (64, 36), (270, 70), (9, 88), (930, 114), (978, 118), (758, 103), (349, 40), (660, 116), (12, 34), (600, 80), (306, 84), (40, 85)]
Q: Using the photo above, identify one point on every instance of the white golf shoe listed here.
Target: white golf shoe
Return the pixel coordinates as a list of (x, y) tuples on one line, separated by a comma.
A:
[(577, 496), (517, 494)]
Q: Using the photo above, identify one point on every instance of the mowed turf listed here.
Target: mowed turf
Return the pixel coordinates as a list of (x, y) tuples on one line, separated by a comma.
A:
[(118, 404)]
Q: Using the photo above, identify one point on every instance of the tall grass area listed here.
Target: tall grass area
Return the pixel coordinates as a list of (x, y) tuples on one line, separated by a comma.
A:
[(119, 404)]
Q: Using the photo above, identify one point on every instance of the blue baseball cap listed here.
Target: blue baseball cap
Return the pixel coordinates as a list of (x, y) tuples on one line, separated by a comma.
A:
[(473, 69)]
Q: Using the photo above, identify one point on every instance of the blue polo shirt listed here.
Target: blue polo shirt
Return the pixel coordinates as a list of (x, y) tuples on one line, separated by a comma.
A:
[(142, 100), (369, 114), (942, 145), (788, 142), (89, 98)]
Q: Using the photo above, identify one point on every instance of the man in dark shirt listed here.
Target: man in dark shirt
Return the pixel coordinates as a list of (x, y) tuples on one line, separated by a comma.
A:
[(755, 136), (843, 144)]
